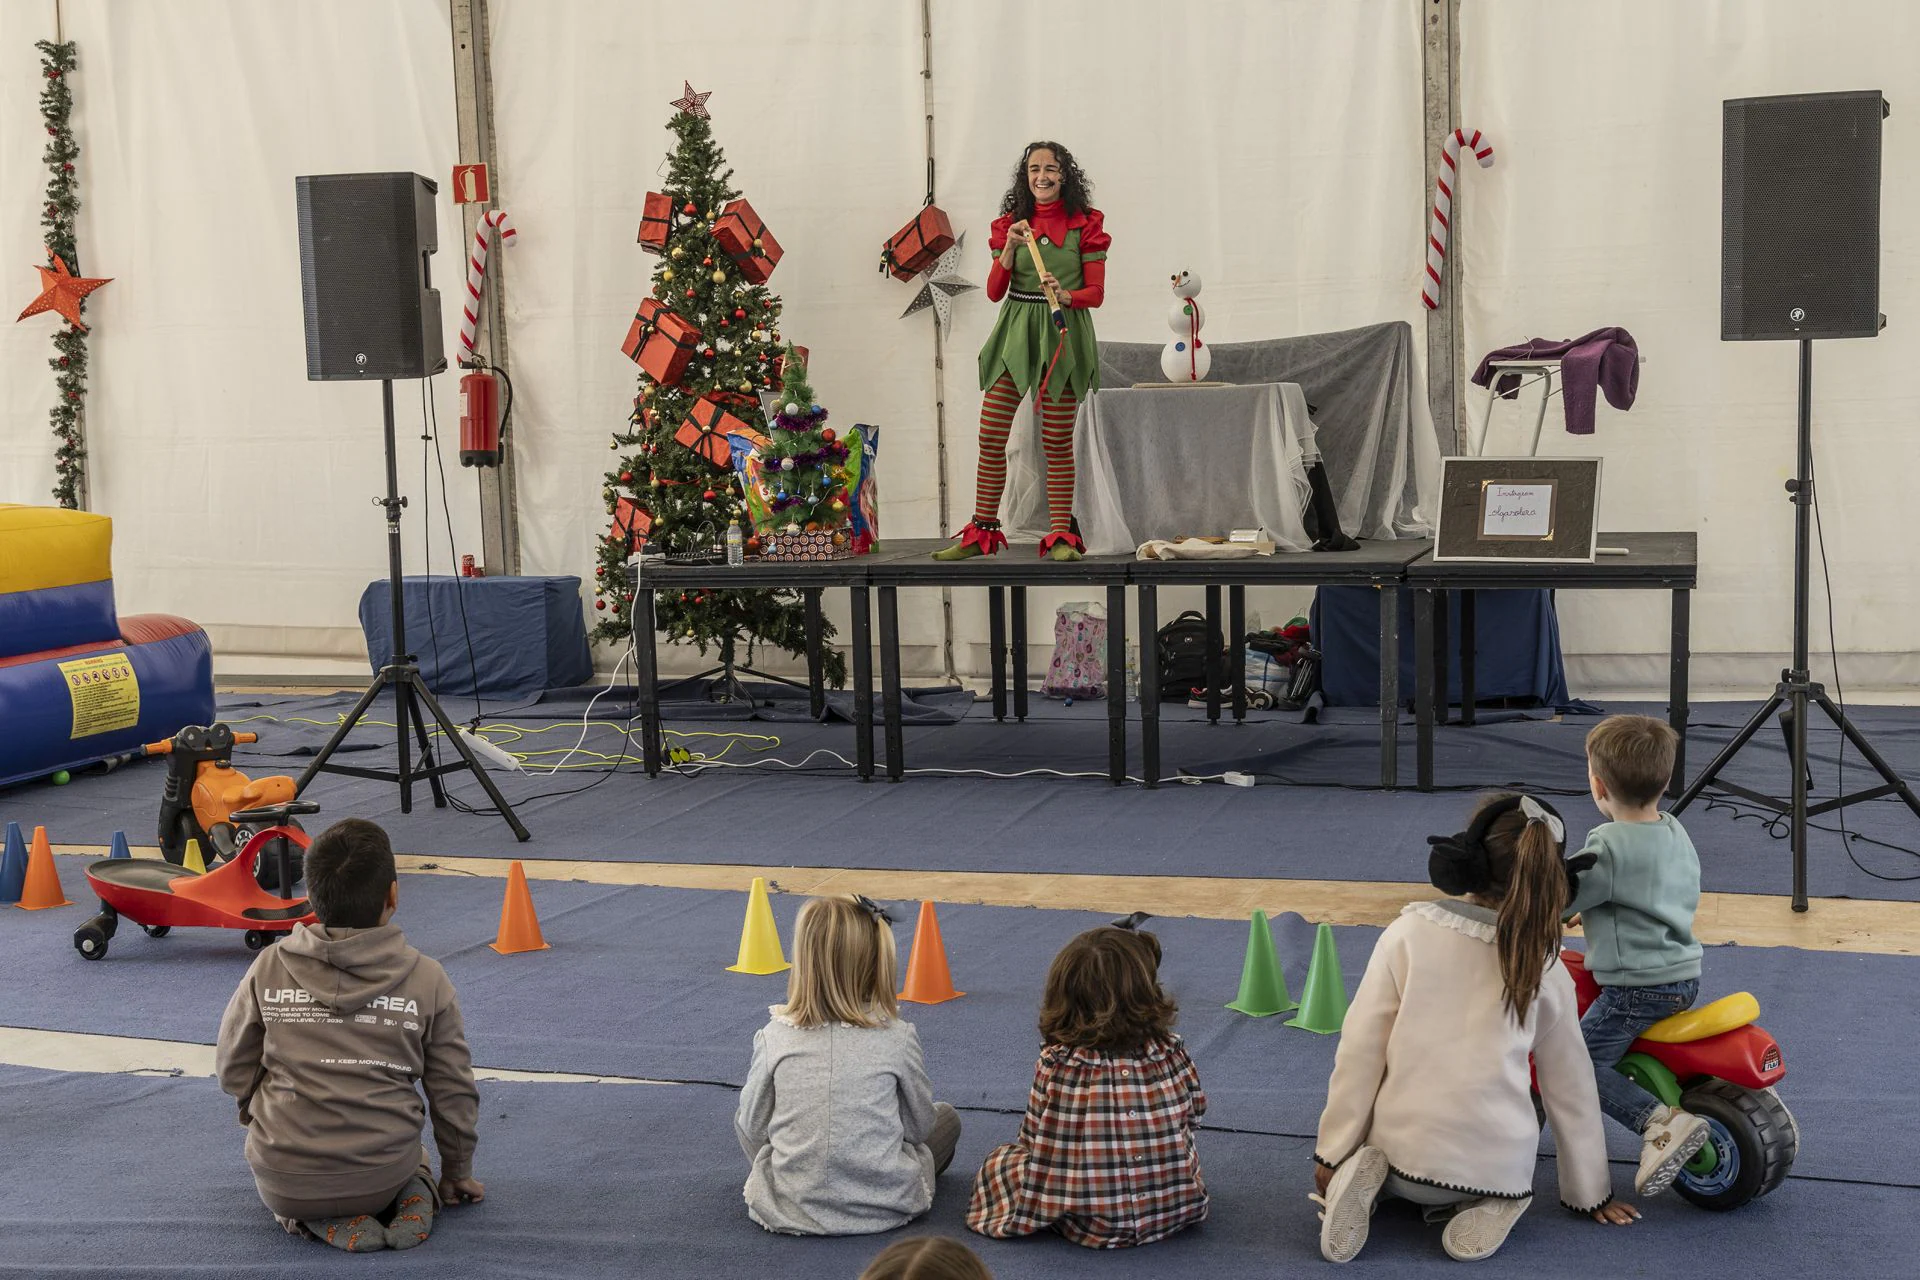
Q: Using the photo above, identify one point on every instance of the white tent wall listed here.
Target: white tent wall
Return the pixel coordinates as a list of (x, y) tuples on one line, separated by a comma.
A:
[(1603, 208), (26, 384), (239, 490)]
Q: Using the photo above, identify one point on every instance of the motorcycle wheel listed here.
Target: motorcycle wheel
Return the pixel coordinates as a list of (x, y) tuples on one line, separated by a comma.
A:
[(1751, 1144)]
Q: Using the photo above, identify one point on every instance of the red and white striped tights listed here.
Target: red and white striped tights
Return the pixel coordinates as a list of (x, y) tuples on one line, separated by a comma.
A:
[(1056, 439)]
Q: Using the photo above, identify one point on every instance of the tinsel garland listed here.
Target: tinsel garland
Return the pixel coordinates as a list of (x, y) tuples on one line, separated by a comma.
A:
[(69, 363)]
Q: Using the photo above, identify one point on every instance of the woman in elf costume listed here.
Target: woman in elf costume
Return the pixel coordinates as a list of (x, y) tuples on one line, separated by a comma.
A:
[(1049, 204)]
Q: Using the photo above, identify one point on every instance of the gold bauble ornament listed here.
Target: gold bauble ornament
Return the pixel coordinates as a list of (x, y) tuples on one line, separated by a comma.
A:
[(666, 274), (678, 253), (746, 388), (719, 276)]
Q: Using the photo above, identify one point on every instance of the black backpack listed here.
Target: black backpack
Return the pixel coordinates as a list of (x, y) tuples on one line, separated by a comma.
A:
[(1182, 646)]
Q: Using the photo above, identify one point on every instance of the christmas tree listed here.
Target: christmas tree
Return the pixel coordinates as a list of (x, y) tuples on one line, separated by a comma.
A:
[(804, 462), (706, 341)]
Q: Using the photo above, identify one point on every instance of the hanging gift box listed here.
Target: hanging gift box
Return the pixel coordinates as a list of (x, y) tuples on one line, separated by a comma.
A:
[(643, 322), (668, 342), (747, 241), (913, 248), (632, 522), (706, 429), (656, 219)]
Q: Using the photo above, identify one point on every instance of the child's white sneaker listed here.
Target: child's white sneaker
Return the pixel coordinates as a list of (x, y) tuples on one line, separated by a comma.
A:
[(1672, 1138), (1347, 1209), (1479, 1229)]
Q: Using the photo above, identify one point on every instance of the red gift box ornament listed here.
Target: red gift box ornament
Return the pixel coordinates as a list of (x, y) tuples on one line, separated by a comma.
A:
[(656, 219), (706, 429), (747, 241), (632, 522), (665, 342), (913, 248)]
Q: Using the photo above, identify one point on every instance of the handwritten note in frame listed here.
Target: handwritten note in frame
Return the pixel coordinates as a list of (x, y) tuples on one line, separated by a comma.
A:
[(1518, 509)]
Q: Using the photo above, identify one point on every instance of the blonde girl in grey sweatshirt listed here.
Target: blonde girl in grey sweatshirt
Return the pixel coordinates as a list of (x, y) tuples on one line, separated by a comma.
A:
[(837, 1116)]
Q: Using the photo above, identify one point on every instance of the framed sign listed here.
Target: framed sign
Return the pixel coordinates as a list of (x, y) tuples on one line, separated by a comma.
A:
[(1518, 509)]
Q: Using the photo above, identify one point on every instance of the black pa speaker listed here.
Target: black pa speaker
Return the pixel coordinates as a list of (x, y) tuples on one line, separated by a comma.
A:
[(1800, 216), (371, 308)]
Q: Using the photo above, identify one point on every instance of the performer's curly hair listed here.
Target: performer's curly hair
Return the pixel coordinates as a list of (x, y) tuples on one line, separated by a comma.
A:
[(1076, 192)]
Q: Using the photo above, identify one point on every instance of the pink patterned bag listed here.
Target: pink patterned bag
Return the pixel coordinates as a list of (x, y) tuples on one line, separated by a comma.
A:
[(1078, 668)]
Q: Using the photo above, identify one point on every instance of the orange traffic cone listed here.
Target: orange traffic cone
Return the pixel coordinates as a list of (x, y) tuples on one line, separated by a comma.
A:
[(928, 980), (42, 887), (519, 926)]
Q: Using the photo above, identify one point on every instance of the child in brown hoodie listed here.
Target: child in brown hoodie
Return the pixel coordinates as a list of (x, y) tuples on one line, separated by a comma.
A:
[(324, 1043)]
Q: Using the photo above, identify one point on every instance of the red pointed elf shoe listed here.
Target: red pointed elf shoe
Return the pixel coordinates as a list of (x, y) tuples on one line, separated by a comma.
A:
[(1063, 545), (978, 538)]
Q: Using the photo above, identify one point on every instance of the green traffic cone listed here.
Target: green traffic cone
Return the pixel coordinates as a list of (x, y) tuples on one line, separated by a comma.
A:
[(1263, 988), (1323, 1002)]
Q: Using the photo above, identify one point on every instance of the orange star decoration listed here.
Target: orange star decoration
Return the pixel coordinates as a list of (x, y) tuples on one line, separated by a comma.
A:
[(61, 290)]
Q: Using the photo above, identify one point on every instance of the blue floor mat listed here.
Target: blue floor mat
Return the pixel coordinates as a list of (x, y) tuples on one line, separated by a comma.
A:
[(636, 985), (1321, 831), (140, 1177)]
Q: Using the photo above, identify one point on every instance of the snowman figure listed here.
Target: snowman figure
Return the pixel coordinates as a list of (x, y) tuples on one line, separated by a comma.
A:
[(1186, 358)]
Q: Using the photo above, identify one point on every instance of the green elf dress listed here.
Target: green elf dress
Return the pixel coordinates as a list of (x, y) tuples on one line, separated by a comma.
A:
[(1025, 351)]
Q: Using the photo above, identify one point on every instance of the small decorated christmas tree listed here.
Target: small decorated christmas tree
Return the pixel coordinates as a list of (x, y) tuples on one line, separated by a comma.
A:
[(706, 340), (804, 462)]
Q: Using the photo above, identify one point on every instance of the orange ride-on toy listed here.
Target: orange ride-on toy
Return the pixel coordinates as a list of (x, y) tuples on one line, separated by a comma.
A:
[(159, 895), (204, 792), (1718, 1063)]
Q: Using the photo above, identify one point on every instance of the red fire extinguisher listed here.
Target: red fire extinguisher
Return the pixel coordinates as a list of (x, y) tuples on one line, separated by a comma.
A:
[(481, 417)]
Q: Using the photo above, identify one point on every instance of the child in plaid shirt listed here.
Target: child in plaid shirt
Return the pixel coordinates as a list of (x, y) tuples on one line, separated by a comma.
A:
[(1105, 1155)]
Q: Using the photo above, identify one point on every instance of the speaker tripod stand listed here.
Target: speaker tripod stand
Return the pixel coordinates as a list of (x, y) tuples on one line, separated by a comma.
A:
[(1797, 690), (410, 692)]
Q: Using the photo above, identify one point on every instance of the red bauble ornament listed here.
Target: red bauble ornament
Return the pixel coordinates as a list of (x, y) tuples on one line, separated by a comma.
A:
[(66, 168), (689, 291), (739, 313), (600, 604), (600, 571), (688, 209), (826, 434), (706, 262), (708, 495), (626, 477)]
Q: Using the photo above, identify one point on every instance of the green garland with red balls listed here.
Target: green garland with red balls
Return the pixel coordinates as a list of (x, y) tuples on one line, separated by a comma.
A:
[(69, 361)]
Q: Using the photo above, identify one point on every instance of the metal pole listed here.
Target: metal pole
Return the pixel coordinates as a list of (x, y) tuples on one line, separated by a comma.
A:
[(939, 355), (1440, 60), (1797, 678), (473, 109)]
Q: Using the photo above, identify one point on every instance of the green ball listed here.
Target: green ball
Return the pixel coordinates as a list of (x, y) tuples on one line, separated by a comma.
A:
[(62, 778)]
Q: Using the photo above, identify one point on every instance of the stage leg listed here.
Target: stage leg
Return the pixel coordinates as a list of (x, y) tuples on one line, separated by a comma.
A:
[(1439, 655), (1215, 642), (1389, 687), (1146, 600), (890, 679), (1017, 621), (1237, 649), (1117, 684), (646, 680), (1467, 646), (1423, 639), (997, 648), (1677, 709), (862, 683), (816, 681)]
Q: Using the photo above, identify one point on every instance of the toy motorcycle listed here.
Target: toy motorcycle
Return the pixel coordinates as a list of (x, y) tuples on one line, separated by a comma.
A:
[(204, 793), (1718, 1063), (159, 895)]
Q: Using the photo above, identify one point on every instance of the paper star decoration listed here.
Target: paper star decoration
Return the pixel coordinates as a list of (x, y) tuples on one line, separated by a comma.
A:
[(939, 285), (61, 290), (694, 104)]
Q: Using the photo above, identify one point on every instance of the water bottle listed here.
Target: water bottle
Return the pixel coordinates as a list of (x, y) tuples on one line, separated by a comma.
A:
[(736, 546)]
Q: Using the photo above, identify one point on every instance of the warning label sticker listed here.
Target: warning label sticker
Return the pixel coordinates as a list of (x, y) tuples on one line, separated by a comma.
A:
[(105, 693)]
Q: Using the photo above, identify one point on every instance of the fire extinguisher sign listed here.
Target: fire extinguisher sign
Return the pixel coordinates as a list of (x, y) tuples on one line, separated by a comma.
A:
[(470, 184)]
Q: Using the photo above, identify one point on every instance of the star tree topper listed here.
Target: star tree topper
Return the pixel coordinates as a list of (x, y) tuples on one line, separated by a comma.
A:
[(61, 290), (939, 285), (694, 104)]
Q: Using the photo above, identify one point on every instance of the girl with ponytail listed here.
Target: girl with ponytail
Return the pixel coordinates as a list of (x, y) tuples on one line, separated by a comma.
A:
[(1430, 1098)]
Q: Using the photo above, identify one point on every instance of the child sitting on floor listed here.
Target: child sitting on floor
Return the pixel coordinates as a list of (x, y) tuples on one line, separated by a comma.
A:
[(324, 1044), (926, 1258), (1636, 902), (837, 1114), (1429, 1097), (1105, 1155)]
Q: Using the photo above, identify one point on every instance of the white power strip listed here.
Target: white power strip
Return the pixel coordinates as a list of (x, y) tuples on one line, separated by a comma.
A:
[(489, 752)]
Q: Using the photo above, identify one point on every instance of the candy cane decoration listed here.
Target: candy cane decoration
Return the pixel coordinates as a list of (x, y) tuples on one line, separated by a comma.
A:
[(1443, 205), (497, 221)]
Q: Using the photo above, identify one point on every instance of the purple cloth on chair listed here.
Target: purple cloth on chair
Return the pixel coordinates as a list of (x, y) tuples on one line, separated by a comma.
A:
[(1606, 358)]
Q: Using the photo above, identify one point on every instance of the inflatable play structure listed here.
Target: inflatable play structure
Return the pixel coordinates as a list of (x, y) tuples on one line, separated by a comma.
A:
[(79, 684)]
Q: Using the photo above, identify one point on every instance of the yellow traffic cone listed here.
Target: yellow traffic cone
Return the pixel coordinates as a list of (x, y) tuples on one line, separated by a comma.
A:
[(759, 936), (193, 860)]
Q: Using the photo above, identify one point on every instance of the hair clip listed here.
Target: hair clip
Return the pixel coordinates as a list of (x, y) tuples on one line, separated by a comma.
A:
[(1538, 813), (1132, 921), (872, 908)]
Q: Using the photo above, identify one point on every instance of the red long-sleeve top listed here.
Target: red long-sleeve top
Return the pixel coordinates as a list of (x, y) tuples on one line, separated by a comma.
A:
[(1054, 222)]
